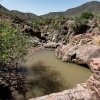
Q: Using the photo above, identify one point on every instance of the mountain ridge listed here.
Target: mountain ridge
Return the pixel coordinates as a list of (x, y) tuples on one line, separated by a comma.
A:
[(93, 7)]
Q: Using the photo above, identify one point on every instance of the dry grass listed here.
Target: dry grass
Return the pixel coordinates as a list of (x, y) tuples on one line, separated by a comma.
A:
[(96, 40)]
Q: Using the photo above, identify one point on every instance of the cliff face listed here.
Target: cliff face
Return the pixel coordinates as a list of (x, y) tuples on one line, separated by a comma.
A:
[(90, 90)]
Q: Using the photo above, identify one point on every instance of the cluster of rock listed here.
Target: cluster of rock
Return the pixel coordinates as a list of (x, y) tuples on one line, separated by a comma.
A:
[(78, 49), (93, 83), (82, 39), (94, 24), (90, 90), (68, 36), (80, 54)]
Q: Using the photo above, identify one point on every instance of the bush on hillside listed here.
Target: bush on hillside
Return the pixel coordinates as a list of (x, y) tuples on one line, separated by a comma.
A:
[(47, 21), (86, 15), (79, 26)]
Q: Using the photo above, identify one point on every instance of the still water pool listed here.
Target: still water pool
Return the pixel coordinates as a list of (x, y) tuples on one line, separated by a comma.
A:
[(72, 73)]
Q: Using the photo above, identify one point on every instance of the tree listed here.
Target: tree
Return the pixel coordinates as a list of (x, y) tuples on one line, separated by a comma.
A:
[(86, 15), (79, 25), (47, 20), (13, 46)]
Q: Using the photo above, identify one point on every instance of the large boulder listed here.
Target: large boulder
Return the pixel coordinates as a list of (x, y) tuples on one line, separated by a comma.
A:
[(80, 54)]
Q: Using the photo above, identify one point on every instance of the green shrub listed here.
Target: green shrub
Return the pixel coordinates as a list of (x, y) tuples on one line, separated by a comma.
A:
[(47, 21), (13, 46), (17, 20), (79, 25), (86, 15)]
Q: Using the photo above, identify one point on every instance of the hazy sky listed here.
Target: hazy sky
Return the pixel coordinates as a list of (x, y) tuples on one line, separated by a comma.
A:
[(41, 7)]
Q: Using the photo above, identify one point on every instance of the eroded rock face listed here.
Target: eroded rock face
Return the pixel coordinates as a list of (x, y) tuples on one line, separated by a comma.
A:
[(61, 50), (93, 82), (95, 64), (82, 39), (80, 54)]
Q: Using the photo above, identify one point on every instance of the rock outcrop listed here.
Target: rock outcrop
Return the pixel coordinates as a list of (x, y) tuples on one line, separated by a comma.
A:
[(80, 54), (93, 83), (51, 45), (77, 93), (82, 39), (90, 90)]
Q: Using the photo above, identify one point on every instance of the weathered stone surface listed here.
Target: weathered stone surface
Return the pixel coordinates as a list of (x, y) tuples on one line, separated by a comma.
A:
[(94, 81), (95, 64), (80, 54), (82, 39), (51, 45), (61, 50)]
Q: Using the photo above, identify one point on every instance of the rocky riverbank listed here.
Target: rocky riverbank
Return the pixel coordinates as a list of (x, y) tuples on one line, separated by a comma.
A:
[(80, 54), (81, 49)]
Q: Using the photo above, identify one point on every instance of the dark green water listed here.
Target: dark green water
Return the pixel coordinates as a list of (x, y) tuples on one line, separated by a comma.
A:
[(71, 73)]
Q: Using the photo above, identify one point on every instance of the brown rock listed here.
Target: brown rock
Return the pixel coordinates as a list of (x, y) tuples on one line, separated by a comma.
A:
[(95, 63), (78, 54)]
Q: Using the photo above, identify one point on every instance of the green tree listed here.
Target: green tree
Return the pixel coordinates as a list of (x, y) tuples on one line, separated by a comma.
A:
[(47, 20), (79, 25), (13, 46), (86, 15)]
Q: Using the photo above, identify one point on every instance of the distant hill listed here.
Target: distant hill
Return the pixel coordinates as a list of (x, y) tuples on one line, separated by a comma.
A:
[(93, 7), (3, 8), (53, 14), (25, 16)]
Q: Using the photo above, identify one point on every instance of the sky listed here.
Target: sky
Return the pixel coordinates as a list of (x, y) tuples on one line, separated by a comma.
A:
[(40, 7)]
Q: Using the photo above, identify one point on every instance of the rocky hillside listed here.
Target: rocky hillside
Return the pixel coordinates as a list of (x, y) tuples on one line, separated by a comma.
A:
[(93, 7), (25, 17)]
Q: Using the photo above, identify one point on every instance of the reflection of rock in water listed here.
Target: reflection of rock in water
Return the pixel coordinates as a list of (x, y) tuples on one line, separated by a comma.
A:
[(42, 80)]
